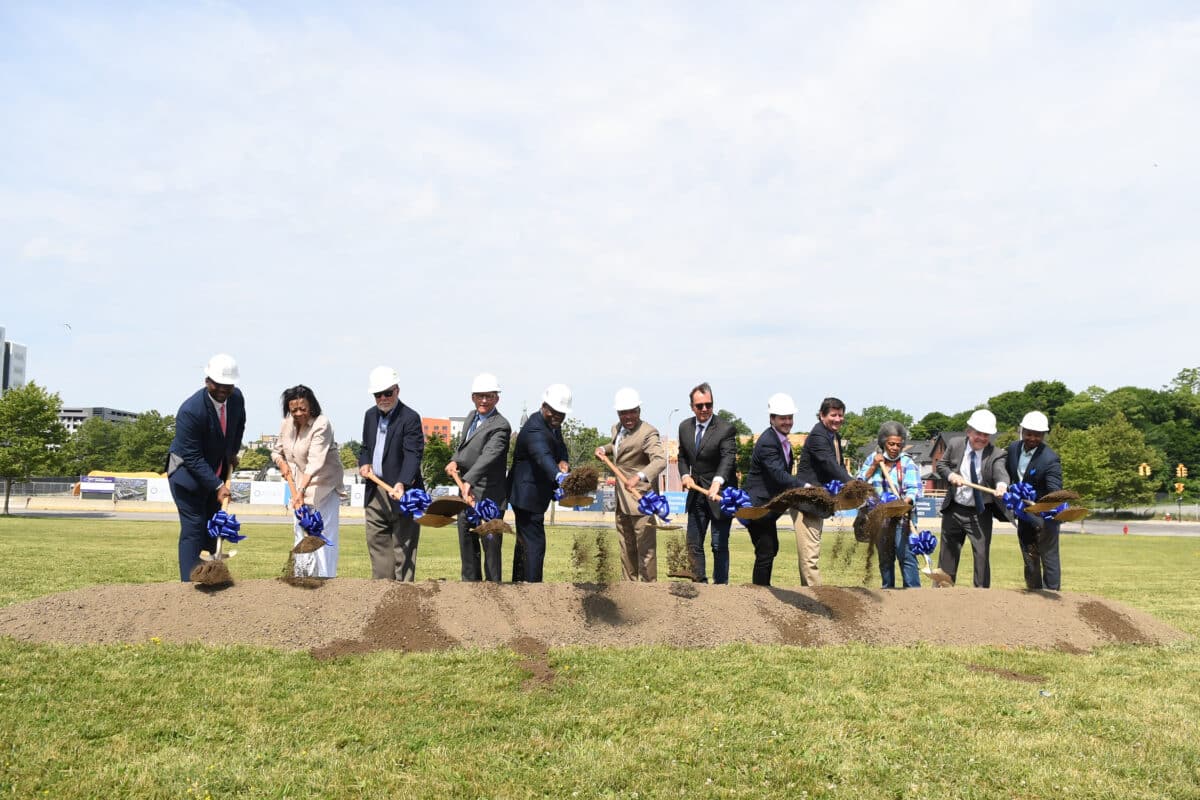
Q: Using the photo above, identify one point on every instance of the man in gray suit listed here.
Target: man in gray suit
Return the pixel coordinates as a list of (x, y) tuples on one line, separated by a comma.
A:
[(481, 458), (967, 512)]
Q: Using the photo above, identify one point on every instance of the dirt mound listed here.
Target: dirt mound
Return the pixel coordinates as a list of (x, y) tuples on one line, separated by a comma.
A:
[(350, 615)]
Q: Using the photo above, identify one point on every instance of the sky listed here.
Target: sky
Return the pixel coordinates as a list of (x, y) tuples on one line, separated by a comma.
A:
[(914, 204)]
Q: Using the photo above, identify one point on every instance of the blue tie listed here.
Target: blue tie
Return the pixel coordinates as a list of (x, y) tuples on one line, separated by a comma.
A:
[(699, 436), (975, 479), (474, 425)]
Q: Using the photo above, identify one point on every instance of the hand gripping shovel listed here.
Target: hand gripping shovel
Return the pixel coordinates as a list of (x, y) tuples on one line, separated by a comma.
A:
[(429, 520), (212, 570), (939, 576)]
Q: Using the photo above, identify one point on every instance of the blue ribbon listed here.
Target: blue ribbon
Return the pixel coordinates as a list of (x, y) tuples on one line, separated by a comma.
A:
[(732, 499), (224, 525), (1052, 513), (414, 502), (558, 479), (311, 522), (484, 511), (1016, 494), (923, 543), (654, 504), (834, 486)]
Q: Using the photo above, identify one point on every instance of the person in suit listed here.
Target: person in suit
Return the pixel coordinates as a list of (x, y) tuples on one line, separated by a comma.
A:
[(967, 513), (480, 462), (539, 462), (637, 451), (1031, 461), (707, 464), (208, 436), (820, 462), (307, 453), (770, 473), (392, 445)]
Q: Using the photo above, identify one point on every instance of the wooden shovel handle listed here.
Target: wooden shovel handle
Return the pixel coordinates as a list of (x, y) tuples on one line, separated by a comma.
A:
[(617, 471), (980, 487), (382, 484), (462, 487), (228, 497)]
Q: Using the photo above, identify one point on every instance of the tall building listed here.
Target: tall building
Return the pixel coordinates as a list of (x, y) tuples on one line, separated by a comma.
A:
[(12, 370), (72, 417)]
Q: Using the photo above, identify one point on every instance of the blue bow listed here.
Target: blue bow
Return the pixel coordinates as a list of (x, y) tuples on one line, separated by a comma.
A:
[(654, 504), (1016, 494), (558, 479), (732, 499), (484, 511), (834, 486), (414, 502), (311, 522), (224, 525), (923, 543)]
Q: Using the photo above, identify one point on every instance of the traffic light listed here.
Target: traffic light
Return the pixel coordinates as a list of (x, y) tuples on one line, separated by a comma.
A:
[(1180, 471), (1179, 488), (1144, 469)]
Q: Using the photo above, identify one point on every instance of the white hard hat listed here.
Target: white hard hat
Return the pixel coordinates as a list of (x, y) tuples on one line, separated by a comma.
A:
[(983, 421), (382, 379), (781, 405), (558, 396), (1035, 421), (485, 382), (626, 399), (221, 368)]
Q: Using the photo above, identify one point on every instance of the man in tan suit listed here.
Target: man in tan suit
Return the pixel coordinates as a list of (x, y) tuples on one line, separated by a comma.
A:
[(639, 454)]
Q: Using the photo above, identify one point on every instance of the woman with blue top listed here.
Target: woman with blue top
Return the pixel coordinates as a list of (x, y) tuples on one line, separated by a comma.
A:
[(893, 471)]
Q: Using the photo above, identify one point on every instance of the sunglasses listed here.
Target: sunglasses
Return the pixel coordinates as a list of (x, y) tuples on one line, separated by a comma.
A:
[(385, 393), (701, 405)]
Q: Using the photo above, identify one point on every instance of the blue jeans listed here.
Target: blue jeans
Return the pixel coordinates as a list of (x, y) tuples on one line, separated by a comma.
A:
[(700, 517), (909, 570)]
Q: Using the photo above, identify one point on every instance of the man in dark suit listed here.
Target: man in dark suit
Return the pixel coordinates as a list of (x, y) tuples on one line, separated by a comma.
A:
[(770, 474), (208, 436), (392, 445), (968, 513), (539, 458), (479, 462), (1031, 461), (707, 464), (820, 463)]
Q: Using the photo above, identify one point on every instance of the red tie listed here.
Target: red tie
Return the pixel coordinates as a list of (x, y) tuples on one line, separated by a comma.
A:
[(222, 418)]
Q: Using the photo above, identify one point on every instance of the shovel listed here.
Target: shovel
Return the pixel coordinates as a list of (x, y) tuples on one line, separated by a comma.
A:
[(428, 520), (502, 527), (212, 570), (621, 477), (936, 574)]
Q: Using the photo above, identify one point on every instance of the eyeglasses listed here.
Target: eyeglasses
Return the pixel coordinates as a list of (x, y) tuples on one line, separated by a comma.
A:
[(385, 393), (701, 406), (485, 396)]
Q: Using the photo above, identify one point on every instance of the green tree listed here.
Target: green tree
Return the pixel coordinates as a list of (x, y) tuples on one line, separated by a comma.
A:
[(1009, 407), (582, 442), (1084, 409), (745, 454), (255, 459), (1047, 396), (1101, 462), (737, 422), (433, 463), (144, 443), (859, 429), (30, 434), (348, 454), (93, 446)]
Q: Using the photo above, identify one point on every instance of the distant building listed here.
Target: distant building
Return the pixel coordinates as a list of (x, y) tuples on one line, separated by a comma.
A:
[(265, 440), (73, 416), (438, 425), (12, 363), (456, 426)]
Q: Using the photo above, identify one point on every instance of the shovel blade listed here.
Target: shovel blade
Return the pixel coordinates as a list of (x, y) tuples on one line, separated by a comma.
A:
[(205, 555), (1071, 514), (752, 513)]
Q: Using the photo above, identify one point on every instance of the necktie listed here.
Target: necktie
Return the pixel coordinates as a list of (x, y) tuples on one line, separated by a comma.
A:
[(222, 418), (474, 425), (975, 479), (787, 451), (699, 436)]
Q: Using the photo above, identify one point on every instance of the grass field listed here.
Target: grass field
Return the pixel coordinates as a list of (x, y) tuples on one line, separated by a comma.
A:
[(157, 720)]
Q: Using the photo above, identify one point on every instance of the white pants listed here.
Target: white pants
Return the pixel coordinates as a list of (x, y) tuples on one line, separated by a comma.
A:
[(322, 562)]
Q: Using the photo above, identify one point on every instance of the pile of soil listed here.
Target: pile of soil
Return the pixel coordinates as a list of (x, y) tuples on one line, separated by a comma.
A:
[(352, 615)]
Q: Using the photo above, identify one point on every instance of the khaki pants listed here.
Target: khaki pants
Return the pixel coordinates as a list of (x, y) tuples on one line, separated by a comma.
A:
[(808, 546), (638, 535), (392, 540)]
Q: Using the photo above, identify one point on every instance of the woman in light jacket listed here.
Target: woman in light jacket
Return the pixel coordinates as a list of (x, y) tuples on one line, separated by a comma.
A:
[(306, 453), (893, 470)]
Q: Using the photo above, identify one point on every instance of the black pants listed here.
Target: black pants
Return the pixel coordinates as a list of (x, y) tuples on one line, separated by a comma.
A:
[(530, 552), (469, 547), (960, 523), (701, 517), (764, 533), (1039, 551)]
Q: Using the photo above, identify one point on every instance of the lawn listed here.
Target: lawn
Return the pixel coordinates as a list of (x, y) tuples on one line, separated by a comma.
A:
[(188, 721)]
